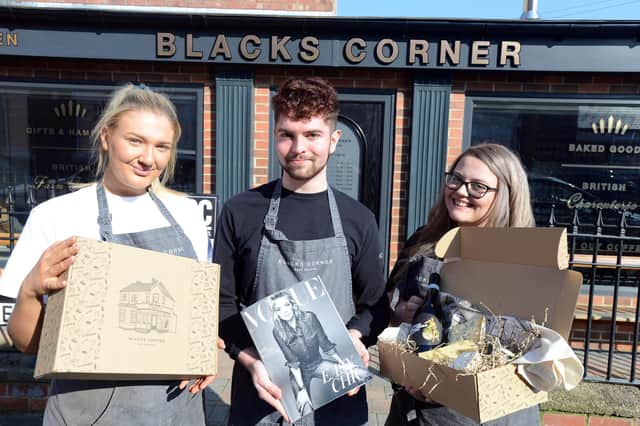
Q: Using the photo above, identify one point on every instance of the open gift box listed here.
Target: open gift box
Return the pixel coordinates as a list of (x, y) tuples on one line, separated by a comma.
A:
[(520, 272)]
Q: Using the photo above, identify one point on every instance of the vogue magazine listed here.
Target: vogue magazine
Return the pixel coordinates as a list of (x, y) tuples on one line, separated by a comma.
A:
[(305, 347)]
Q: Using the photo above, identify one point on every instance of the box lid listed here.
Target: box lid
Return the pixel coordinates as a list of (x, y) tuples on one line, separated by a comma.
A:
[(525, 246), (512, 271)]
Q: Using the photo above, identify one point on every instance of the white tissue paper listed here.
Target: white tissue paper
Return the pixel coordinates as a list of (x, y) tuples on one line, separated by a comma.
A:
[(550, 363)]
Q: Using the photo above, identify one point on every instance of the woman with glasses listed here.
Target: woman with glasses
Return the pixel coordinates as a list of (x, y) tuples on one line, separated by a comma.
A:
[(486, 186)]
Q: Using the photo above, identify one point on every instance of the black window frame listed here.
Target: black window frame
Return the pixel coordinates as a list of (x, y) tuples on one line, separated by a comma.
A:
[(171, 89)]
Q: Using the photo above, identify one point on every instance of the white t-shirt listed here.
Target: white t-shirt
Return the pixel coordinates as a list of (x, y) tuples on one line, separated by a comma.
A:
[(76, 214)]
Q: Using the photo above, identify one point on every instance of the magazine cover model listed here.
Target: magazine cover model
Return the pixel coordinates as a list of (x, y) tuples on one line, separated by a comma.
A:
[(305, 347)]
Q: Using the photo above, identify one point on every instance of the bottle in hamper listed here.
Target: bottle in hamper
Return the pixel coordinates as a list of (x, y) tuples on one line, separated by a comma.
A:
[(427, 325), (415, 281)]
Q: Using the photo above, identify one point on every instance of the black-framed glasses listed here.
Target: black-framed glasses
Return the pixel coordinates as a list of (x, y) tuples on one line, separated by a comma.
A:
[(475, 190)]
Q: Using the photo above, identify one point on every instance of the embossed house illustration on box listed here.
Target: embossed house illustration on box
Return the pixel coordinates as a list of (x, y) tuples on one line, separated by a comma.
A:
[(146, 307)]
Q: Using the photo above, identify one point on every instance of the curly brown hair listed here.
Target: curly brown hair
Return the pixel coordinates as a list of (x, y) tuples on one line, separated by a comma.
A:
[(304, 98)]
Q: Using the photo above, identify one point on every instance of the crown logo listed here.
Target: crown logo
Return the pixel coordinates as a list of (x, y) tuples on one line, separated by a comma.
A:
[(609, 126), (70, 109)]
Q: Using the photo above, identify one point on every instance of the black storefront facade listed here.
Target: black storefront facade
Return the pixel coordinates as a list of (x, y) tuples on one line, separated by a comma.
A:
[(414, 94)]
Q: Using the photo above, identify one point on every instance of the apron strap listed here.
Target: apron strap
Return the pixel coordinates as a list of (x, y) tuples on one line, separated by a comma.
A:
[(271, 218), (104, 217), (335, 215), (165, 212)]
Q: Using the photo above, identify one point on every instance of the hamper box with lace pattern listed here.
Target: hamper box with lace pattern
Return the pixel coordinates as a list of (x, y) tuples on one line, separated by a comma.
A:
[(520, 272), (129, 313)]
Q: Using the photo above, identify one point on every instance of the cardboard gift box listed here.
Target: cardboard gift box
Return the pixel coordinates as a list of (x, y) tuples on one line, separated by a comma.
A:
[(129, 313), (519, 272)]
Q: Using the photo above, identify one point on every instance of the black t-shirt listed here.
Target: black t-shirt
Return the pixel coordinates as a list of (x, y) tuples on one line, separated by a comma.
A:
[(300, 217)]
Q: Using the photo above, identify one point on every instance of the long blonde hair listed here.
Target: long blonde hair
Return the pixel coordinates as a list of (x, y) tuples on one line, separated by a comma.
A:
[(510, 208), (136, 98)]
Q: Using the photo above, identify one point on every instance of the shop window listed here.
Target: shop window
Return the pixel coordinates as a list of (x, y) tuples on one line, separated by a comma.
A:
[(45, 137), (580, 156), (577, 156), (45, 146)]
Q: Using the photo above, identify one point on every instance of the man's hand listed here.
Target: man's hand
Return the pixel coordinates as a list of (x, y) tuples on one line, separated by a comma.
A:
[(416, 394), (201, 383), (302, 400), (356, 336), (362, 351), (268, 391), (406, 309)]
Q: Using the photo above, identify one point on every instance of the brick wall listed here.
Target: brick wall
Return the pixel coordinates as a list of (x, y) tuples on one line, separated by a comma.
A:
[(23, 396), (19, 392), (602, 312), (326, 6), (565, 419)]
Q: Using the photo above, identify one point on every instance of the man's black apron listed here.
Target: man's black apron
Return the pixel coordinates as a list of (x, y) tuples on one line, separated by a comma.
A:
[(282, 263), (89, 402)]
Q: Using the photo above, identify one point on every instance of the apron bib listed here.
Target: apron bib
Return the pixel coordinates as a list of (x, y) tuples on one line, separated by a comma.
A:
[(89, 402), (282, 263)]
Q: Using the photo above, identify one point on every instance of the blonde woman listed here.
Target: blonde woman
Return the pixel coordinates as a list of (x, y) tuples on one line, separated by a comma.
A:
[(486, 186), (135, 145)]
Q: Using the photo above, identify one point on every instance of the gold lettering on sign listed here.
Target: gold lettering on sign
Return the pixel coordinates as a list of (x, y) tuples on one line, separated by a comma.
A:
[(604, 186), (165, 45), (385, 51), (247, 54), (279, 48), (480, 53), (220, 46), (418, 48), (449, 54), (309, 51), (510, 49), (355, 58), (380, 51), (190, 52), (9, 39)]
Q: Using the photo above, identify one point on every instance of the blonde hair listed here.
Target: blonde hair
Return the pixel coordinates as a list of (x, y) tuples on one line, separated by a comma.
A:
[(136, 98), (510, 208)]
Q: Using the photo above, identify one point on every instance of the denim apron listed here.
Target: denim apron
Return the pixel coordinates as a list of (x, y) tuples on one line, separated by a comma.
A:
[(89, 402), (282, 263)]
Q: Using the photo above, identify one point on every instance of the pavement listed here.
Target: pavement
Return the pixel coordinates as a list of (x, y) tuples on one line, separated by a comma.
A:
[(217, 396)]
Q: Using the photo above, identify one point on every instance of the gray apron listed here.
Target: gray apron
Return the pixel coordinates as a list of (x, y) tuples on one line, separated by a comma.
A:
[(89, 402), (282, 263)]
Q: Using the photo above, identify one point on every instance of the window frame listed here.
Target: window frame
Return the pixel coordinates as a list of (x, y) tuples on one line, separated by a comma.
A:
[(472, 98), (171, 89)]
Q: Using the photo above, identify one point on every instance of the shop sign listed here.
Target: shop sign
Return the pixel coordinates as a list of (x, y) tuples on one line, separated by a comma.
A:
[(345, 164), (355, 50), (8, 39), (5, 313), (209, 206), (416, 47)]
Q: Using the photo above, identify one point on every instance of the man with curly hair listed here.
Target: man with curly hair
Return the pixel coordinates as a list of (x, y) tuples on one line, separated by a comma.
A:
[(290, 230)]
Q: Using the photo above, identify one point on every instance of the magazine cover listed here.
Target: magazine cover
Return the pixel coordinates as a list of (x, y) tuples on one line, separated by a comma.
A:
[(305, 347)]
